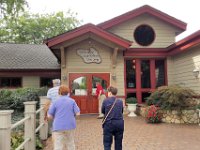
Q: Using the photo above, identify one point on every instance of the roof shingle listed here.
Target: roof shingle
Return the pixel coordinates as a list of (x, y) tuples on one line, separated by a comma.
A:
[(27, 56)]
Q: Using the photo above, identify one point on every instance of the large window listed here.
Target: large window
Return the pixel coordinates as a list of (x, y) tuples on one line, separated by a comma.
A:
[(145, 74), (160, 72), (12, 82), (131, 73)]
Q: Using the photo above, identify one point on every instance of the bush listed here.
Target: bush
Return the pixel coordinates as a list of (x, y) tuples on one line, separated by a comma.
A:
[(17, 138), (131, 100), (172, 97), (153, 115), (13, 99)]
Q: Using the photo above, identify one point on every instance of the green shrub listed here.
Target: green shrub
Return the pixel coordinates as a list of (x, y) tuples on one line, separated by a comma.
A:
[(131, 100), (172, 97), (18, 137), (13, 99)]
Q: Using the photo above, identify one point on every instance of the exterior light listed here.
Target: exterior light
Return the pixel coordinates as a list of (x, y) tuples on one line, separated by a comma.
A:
[(196, 73)]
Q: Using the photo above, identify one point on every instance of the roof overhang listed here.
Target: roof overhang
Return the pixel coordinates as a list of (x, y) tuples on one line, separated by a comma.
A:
[(88, 29), (140, 11), (184, 44)]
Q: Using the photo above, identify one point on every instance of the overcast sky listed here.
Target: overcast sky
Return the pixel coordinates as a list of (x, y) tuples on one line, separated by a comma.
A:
[(97, 11)]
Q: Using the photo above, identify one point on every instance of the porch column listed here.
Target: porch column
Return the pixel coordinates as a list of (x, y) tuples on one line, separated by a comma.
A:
[(113, 66), (64, 76)]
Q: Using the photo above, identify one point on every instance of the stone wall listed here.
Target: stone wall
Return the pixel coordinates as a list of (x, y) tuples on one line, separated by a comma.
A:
[(173, 116)]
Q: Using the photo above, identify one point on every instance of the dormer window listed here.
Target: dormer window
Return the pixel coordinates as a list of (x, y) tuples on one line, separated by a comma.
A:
[(144, 35)]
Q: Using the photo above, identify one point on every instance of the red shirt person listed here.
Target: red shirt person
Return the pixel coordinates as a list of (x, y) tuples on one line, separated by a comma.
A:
[(101, 96)]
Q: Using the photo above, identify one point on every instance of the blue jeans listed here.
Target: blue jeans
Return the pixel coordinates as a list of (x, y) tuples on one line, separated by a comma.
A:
[(113, 128)]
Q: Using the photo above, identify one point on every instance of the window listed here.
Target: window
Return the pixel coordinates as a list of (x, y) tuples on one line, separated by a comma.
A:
[(160, 72), (144, 35), (46, 82), (6, 82), (130, 73), (145, 74)]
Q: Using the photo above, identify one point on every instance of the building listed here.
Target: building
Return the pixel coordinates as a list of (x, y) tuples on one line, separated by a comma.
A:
[(135, 51)]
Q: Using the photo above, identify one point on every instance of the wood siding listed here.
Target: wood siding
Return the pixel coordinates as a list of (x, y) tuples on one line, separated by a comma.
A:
[(75, 64), (31, 81), (170, 70), (165, 33), (184, 64)]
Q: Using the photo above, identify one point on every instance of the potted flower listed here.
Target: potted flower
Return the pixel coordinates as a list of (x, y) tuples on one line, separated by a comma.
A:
[(131, 103)]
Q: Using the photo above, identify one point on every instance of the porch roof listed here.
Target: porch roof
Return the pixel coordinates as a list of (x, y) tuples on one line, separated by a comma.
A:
[(26, 56)]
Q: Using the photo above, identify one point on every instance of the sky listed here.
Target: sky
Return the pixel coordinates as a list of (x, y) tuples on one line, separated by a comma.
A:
[(97, 11)]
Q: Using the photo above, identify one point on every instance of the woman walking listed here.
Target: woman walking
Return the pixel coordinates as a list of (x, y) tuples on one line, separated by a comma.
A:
[(113, 123), (63, 112)]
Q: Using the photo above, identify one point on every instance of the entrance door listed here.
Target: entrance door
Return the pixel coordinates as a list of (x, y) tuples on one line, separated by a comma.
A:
[(83, 89)]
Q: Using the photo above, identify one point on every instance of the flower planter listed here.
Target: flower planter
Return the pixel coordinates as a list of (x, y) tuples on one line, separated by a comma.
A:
[(131, 109)]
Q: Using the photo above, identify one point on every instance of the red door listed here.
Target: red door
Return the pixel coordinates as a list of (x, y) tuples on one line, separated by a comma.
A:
[(83, 89)]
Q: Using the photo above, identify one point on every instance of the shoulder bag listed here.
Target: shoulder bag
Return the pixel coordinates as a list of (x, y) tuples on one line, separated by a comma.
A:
[(109, 111)]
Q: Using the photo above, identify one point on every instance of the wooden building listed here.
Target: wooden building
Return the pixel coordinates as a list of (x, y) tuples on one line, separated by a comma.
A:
[(135, 51)]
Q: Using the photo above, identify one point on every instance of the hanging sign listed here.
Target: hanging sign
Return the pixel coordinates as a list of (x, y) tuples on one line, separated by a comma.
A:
[(90, 55)]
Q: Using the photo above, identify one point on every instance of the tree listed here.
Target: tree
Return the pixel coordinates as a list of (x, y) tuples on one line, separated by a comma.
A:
[(12, 7), (34, 28)]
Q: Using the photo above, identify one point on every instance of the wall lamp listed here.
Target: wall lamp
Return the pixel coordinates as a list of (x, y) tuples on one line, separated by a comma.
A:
[(64, 77), (114, 77), (196, 73)]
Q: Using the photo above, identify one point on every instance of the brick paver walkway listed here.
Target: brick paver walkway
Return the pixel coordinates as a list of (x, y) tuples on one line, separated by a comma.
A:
[(138, 135)]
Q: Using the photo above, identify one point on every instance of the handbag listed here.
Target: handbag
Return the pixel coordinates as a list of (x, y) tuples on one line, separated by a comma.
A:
[(109, 111)]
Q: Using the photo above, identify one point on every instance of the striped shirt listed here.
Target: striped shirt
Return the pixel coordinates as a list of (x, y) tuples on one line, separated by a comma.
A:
[(52, 93)]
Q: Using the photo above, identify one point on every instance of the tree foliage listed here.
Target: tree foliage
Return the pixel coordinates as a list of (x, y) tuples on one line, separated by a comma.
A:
[(34, 28), (12, 7)]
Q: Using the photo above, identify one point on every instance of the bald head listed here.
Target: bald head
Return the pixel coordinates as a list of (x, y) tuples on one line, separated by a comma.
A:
[(56, 82)]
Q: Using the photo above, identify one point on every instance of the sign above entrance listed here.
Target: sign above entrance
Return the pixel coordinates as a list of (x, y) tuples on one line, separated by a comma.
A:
[(90, 55)]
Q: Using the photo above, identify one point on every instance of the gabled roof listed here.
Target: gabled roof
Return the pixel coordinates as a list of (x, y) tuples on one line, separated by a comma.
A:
[(185, 44), (140, 11), (26, 56), (88, 28)]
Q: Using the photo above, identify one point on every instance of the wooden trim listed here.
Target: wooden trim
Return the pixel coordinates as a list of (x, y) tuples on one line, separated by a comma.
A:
[(152, 73), (63, 59), (20, 73), (114, 57), (144, 54), (84, 30), (139, 11), (138, 80), (166, 73)]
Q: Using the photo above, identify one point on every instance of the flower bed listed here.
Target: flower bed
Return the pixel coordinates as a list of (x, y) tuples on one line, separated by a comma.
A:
[(173, 116)]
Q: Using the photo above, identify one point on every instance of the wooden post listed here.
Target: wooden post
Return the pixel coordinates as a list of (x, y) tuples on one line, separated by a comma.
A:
[(5, 129), (44, 129), (29, 131)]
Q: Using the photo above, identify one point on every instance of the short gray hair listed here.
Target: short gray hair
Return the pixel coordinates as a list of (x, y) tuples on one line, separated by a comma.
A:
[(56, 82)]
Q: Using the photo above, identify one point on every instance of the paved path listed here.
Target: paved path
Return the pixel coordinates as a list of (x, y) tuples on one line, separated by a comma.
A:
[(138, 135)]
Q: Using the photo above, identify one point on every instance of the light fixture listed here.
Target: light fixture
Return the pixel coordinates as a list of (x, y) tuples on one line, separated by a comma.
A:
[(64, 77), (196, 73), (114, 76)]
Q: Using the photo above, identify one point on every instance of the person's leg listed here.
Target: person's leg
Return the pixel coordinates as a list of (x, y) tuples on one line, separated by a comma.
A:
[(118, 140), (69, 139), (58, 140), (118, 127), (107, 137), (101, 99)]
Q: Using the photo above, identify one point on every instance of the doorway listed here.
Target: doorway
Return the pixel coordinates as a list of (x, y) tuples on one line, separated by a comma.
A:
[(83, 89)]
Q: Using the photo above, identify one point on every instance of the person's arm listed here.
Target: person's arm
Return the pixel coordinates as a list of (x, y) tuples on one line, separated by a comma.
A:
[(46, 108), (103, 108), (51, 111), (76, 109)]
